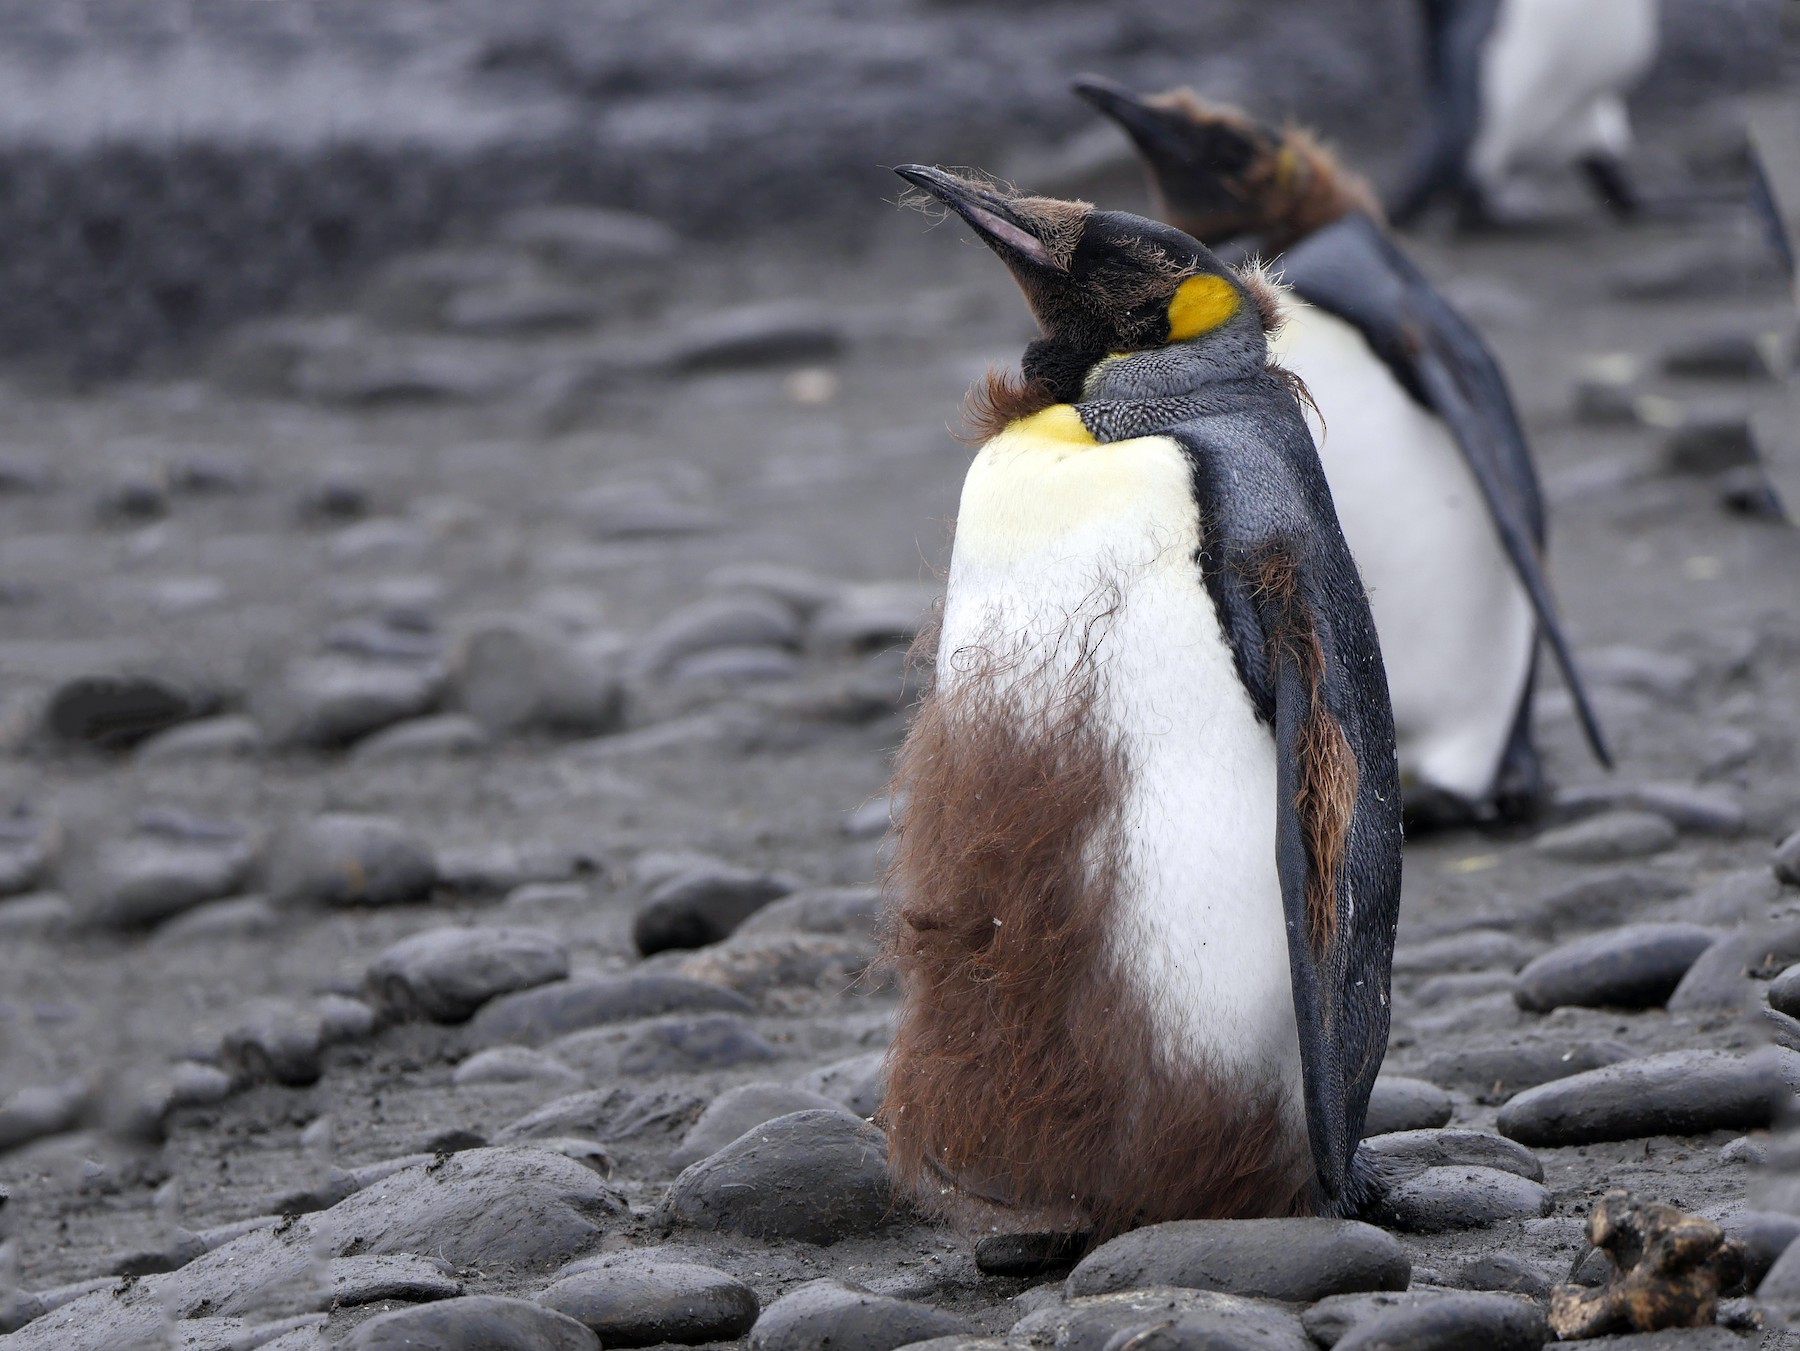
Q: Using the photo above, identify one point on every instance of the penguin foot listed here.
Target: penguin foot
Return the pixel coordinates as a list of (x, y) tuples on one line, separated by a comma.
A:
[(1612, 184), (1427, 810), (1371, 1179)]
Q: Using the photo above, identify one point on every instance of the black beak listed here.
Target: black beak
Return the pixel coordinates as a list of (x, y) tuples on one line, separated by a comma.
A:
[(1147, 126), (1002, 227)]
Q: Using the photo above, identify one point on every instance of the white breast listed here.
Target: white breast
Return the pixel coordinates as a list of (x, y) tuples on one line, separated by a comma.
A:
[(1456, 627), (1052, 535), (1553, 77)]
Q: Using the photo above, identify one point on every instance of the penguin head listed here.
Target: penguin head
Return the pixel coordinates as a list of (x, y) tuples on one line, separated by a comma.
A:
[(1103, 284)]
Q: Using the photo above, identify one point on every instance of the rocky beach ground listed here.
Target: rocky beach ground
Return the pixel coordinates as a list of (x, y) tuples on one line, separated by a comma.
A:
[(445, 742)]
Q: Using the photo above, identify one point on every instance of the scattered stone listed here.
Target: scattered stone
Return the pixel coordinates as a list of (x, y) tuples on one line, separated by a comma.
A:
[(1686, 1092), (220, 921), (133, 497), (872, 617), (178, 1250), (446, 974), (821, 910), (1606, 898), (32, 1113), (518, 674), (1429, 1321), (519, 309), (639, 510), (535, 1016), (1721, 978), (1635, 967), (1462, 988), (675, 1044), (1706, 441), (606, 1114), (632, 1301), (759, 334), (17, 1308), (1608, 837), (1661, 675), (1704, 811), (736, 1110), (385, 640), (826, 1313), (141, 881), (443, 736), (801, 590), (1412, 1151), (1743, 1150), (1723, 354), (703, 905), (1298, 1260), (814, 1176), (1740, 897), (1400, 1104), (274, 1041), (116, 712), (494, 870), (345, 859), (732, 667), (1503, 1271), (856, 1082), (513, 1065), (1784, 992), (229, 736), (591, 241), (1477, 949), (474, 1323), (1462, 1197), (37, 914), (755, 963), (343, 1019), (733, 620), (1786, 860), (329, 702), (1028, 1254), (1190, 1318), (1766, 1235), (1493, 1073)]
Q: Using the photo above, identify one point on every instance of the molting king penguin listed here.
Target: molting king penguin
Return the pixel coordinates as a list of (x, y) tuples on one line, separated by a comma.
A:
[(1526, 83), (1429, 469), (1145, 887)]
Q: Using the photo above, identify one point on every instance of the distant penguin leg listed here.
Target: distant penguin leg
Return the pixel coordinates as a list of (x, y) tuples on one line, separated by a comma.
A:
[(1519, 786), (1611, 181)]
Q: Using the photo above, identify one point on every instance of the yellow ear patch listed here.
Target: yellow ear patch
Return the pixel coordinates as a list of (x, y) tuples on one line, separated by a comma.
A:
[(1200, 304)]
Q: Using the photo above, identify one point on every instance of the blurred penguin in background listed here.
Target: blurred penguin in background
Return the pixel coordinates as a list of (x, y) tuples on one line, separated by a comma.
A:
[(1429, 469), (1523, 84)]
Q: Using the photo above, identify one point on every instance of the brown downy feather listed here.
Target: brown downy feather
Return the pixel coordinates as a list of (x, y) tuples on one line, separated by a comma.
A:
[(1026, 1085), (998, 399)]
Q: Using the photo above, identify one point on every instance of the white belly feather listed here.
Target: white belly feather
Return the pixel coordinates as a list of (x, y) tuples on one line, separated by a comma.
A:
[(1455, 625), (1050, 533)]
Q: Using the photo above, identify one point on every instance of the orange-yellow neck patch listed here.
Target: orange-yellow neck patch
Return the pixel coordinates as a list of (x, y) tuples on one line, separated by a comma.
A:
[(1200, 304), (1058, 422)]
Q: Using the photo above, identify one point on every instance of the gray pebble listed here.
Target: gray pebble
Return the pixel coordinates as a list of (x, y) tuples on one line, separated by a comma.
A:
[(730, 667), (801, 590), (1784, 992), (871, 617), (1476, 949), (1028, 1254), (1743, 896), (21, 864), (37, 914), (1505, 1271), (520, 674), (1493, 1073), (814, 1176), (1461, 987), (590, 240), (535, 902), (1684, 1092), (473, 1323), (226, 737), (1743, 1150), (701, 906), (224, 920), (606, 1114), (650, 1303), (445, 735), (180, 1248), (387, 641), (632, 510), (1662, 675), (1608, 897), (736, 1110), (343, 1019), (1417, 1150), (17, 1308), (535, 1016), (856, 1082), (513, 1065), (1397, 1103), (1198, 1317), (142, 880), (1766, 1235), (1721, 978), (274, 1041), (329, 702), (823, 910), (1704, 811), (1786, 860), (345, 859), (681, 1043), (116, 712), (1299, 1260), (828, 1314), (1607, 838), (753, 964), (495, 869), (756, 334), (49, 1109), (1727, 354), (1430, 1321), (446, 974), (1634, 967), (1462, 1197), (735, 620)]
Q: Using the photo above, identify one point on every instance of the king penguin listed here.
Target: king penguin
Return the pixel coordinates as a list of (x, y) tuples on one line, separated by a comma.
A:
[(1519, 84), (1429, 469), (1144, 892)]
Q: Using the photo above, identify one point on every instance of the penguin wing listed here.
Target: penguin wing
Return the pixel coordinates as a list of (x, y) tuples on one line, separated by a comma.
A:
[(1353, 270)]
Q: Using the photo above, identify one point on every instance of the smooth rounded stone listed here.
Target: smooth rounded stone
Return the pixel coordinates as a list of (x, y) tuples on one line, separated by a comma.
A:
[(736, 1110), (48, 1109), (1686, 1092), (1461, 987), (800, 589), (379, 637), (855, 1081), (1784, 991), (142, 880), (729, 667), (342, 858), (1702, 810), (1635, 967), (514, 1065), (473, 1323), (872, 616), (1662, 675), (1298, 1260), (223, 920), (605, 1114), (1470, 950), (652, 1303), (1196, 1318), (681, 1043), (117, 711), (703, 905), (1721, 977), (329, 702), (1028, 1254), (532, 1017), (342, 1018), (1739, 897), (760, 333), (1428, 1321), (496, 869), (540, 901), (1416, 1150), (735, 620), (1607, 838), (21, 864), (446, 974), (517, 674), (1669, 1339), (37, 914), (274, 1041), (637, 510), (1504, 1271), (229, 736), (590, 240), (180, 1248), (828, 1314), (1397, 1103), (1786, 860), (753, 964), (1766, 1235), (1462, 1197), (821, 910), (814, 1176), (1494, 1073), (17, 1308), (442, 736), (1610, 896)]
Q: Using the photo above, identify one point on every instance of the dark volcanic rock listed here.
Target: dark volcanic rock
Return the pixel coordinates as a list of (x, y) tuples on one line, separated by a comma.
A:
[(1494, 1073), (679, 1043), (515, 674), (1671, 1093), (1704, 811), (1608, 837), (1766, 1235), (1635, 967), (17, 1308), (32, 1113), (1297, 1260), (474, 1323), (115, 712), (1027, 1254), (606, 1114), (274, 1041), (144, 880), (736, 1110), (1607, 897), (856, 1082), (733, 621), (1477, 949), (446, 974), (328, 702), (1429, 1321), (1786, 860), (1504, 1271), (827, 1314), (756, 334), (532, 1017), (1721, 978), (1417, 1150), (632, 1301), (816, 1176), (753, 964), (1401, 1104), (345, 859), (1784, 992), (820, 910), (701, 906), (1462, 1197), (1191, 1318)]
